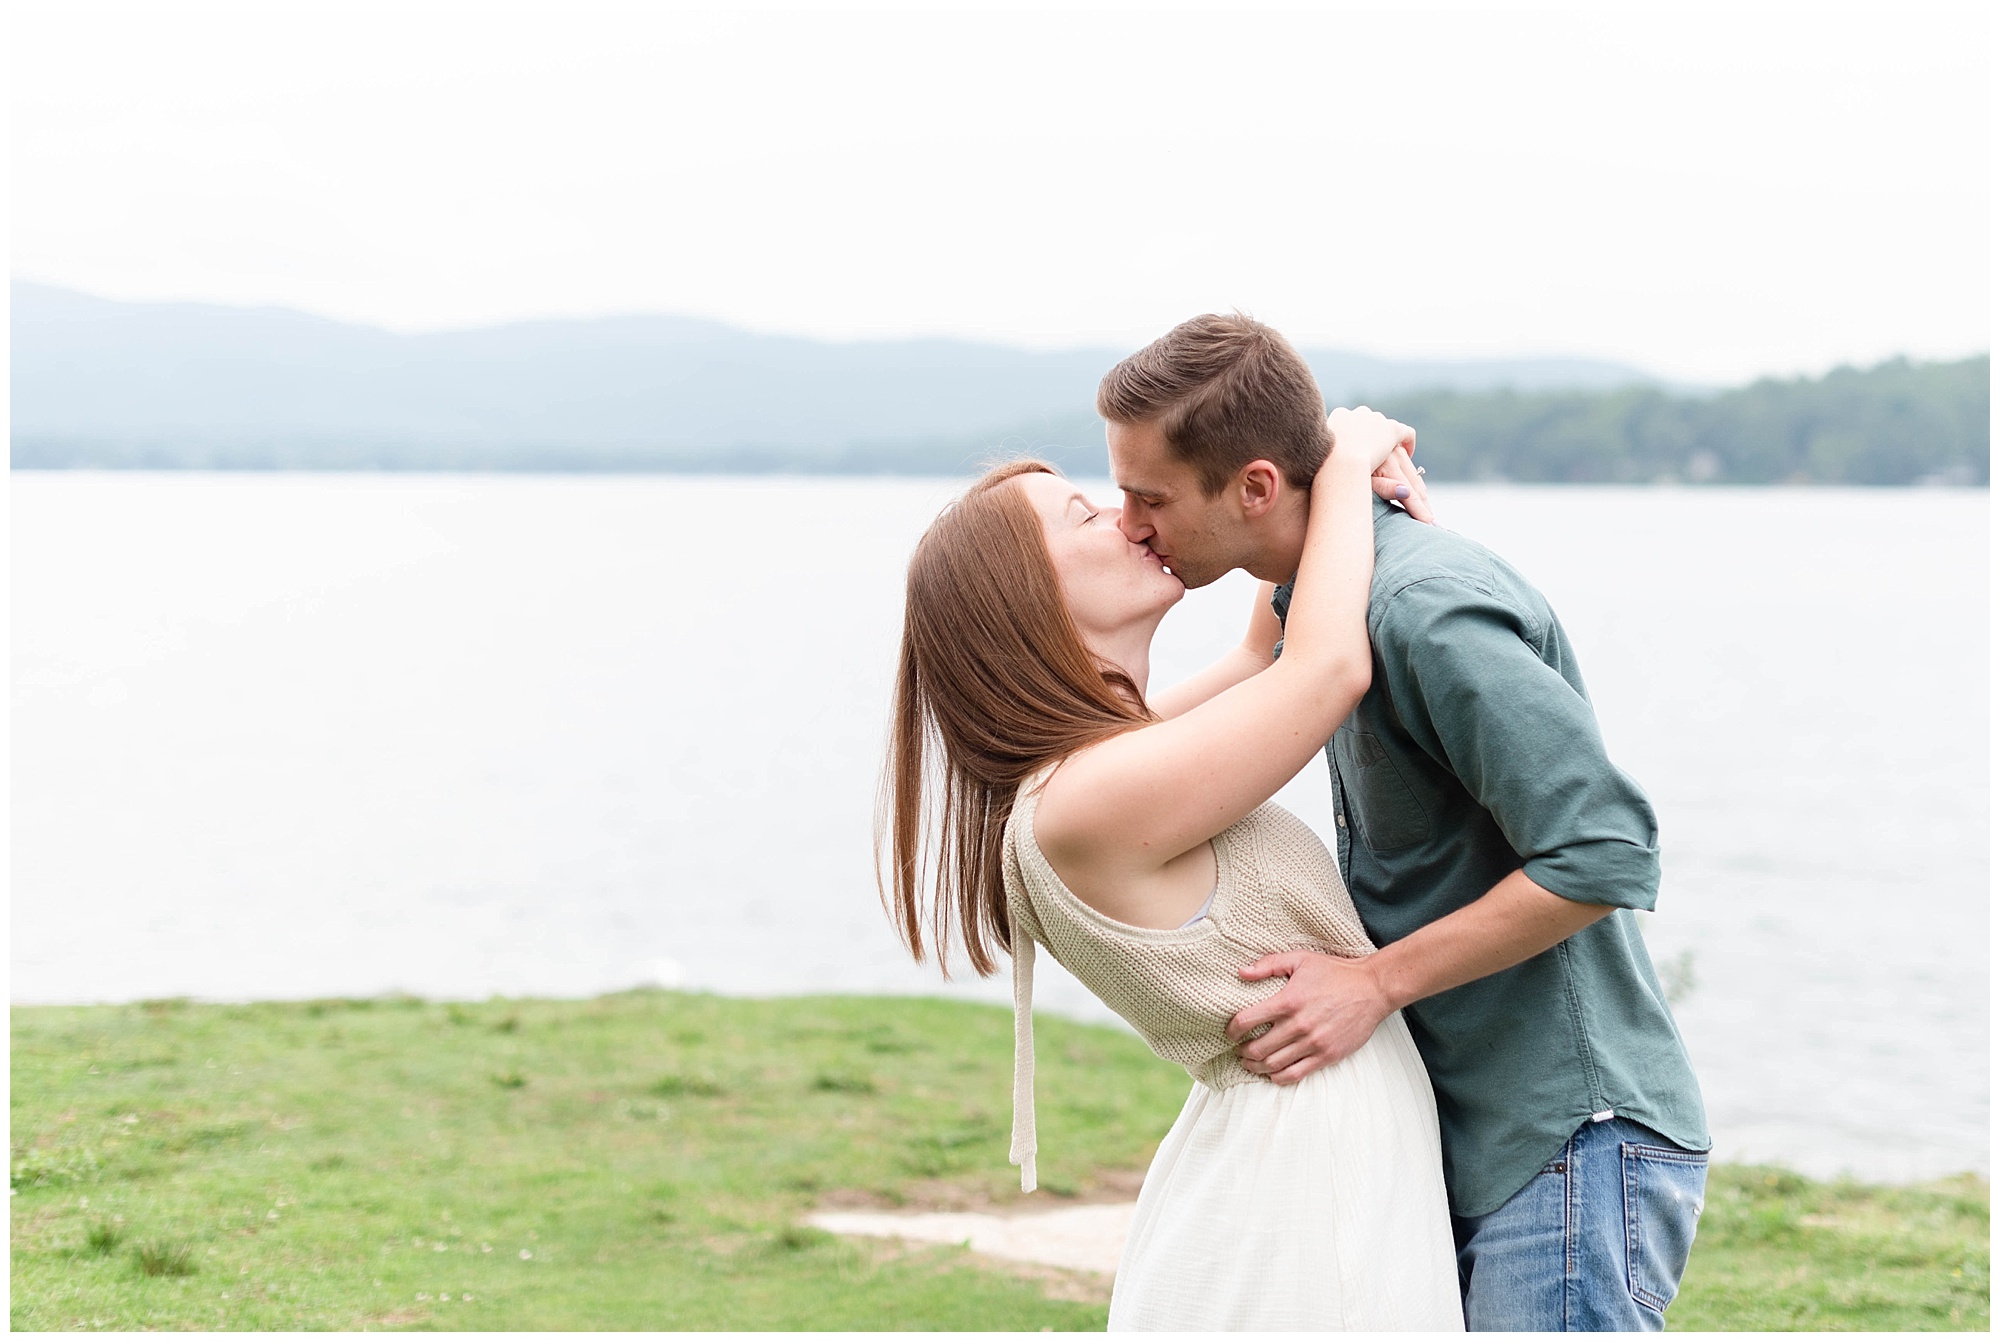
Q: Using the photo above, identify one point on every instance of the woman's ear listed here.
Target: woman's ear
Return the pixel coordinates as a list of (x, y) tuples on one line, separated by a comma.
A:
[(1259, 486)]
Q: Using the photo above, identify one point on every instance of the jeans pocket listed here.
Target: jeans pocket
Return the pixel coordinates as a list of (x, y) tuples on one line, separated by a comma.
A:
[(1663, 1199)]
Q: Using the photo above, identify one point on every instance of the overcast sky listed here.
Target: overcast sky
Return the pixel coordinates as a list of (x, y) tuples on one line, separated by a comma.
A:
[(1711, 196)]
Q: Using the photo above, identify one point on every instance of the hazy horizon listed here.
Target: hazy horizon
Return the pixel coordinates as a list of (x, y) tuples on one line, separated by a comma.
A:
[(1548, 356), (723, 325)]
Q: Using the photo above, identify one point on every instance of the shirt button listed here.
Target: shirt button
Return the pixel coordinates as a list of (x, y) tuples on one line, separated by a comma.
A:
[(1340, 820)]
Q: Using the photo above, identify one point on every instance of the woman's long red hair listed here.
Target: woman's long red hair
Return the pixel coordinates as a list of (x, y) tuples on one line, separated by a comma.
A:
[(993, 682)]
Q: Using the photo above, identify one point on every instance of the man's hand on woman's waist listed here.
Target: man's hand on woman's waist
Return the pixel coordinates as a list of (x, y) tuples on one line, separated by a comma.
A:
[(1331, 1006)]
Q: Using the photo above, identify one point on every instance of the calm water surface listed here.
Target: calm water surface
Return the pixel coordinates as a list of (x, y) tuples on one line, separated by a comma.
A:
[(310, 735)]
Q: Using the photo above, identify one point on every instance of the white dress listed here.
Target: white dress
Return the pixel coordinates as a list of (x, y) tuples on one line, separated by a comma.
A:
[(1316, 1206)]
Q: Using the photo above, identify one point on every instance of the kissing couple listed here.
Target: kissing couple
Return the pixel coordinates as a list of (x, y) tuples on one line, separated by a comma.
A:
[(1436, 1084)]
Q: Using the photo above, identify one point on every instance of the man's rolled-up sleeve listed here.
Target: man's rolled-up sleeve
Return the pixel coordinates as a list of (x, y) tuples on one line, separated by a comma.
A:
[(1465, 677)]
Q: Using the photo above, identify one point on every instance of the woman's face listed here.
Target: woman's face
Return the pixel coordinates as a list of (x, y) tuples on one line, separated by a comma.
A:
[(1108, 582)]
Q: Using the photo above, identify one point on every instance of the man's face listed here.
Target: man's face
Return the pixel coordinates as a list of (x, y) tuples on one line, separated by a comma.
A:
[(1165, 509)]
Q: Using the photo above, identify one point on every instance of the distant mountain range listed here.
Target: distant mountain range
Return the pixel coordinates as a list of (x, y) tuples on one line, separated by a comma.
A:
[(102, 383)]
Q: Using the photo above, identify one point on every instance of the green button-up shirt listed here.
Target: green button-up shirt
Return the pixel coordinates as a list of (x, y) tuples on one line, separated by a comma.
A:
[(1474, 754)]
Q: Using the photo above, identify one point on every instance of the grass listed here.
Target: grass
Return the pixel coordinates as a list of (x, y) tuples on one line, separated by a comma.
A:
[(103, 1237), (642, 1161), (165, 1258), (1779, 1253), (636, 1161)]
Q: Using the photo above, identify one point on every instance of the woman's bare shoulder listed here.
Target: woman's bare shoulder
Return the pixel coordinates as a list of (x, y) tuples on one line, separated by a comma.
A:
[(1077, 817)]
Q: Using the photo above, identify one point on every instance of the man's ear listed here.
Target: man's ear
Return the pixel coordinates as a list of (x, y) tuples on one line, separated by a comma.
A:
[(1259, 486)]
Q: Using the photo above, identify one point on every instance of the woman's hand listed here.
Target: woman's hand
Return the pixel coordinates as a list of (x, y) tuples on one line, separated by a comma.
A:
[(1400, 480), (1369, 433), (1388, 445)]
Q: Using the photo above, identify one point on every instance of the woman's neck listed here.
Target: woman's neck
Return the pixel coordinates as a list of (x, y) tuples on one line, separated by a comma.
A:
[(1129, 649)]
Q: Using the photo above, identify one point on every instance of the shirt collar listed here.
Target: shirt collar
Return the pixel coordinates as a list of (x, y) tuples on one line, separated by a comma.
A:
[(1281, 599)]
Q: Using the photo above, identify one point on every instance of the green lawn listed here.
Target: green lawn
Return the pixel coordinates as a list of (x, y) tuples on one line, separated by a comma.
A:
[(1776, 1252), (641, 1161)]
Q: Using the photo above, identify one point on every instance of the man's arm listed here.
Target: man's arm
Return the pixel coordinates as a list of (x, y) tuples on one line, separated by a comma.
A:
[(1469, 687), (1332, 1006)]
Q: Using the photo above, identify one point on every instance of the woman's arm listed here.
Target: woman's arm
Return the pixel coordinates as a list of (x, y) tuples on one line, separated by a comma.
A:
[(1124, 809), (1396, 480), (1234, 667)]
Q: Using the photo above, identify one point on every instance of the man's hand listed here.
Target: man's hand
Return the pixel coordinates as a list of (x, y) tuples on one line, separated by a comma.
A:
[(1329, 1009), (1332, 1006)]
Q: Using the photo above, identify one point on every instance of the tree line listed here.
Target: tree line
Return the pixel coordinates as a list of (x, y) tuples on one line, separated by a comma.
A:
[(1897, 423)]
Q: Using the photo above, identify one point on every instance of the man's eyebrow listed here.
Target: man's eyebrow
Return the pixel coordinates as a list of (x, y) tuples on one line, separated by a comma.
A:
[(1141, 489)]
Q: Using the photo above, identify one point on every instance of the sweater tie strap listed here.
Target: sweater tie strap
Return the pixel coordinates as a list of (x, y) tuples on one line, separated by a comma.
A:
[(1022, 1152)]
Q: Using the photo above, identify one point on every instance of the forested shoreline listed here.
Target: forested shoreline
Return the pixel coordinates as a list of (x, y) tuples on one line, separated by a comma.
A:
[(1898, 423)]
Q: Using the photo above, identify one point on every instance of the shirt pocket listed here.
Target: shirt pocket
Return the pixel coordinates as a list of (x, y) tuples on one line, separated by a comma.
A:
[(1380, 803)]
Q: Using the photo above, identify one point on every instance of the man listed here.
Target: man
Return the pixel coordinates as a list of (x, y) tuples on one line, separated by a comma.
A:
[(1493, 851)]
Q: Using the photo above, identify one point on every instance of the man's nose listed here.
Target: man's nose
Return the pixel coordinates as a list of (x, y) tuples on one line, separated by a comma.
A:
[(1133, 525)]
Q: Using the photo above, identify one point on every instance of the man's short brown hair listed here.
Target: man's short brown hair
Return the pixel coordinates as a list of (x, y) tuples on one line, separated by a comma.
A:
[(1224, 391)]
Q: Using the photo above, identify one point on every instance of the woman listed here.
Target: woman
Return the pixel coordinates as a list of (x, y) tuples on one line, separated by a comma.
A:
[(1139, 845)]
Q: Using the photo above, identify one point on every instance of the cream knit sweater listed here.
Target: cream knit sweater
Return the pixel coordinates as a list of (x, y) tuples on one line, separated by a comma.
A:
[(1276, 889)]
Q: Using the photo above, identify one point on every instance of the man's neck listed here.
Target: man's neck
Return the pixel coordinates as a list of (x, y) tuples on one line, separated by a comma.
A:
[(1280, 540)]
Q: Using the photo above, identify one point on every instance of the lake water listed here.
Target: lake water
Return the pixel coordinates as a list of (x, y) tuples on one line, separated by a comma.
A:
[(292, 736)]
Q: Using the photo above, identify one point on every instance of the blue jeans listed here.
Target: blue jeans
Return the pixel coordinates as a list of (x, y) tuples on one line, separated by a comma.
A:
[(1596, 1242)]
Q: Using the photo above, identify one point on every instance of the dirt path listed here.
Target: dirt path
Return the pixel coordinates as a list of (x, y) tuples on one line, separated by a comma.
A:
[(1083, 1239)]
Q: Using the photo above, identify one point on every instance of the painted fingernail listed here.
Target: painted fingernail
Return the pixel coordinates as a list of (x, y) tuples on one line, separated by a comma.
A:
[(1402, 491)]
